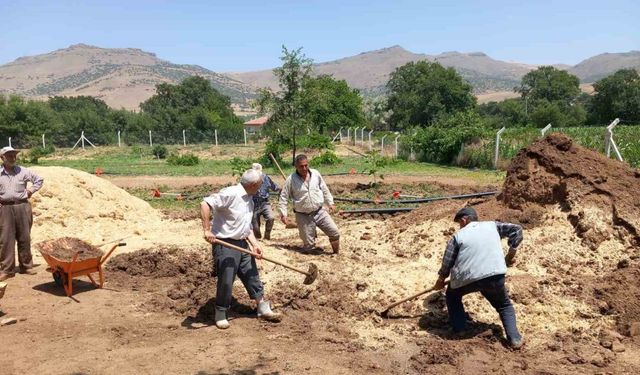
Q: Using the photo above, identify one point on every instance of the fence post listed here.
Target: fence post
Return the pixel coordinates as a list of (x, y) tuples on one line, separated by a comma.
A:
[(119, 145), (609, 142), (370, 144), (44, 145), (215, 134), (396, 141), (9, 141), (362, 137), (82, 139), (348, 134), (150, 140), (355, 135), (382, 144), (545, 129), (495, 160), (245, 136), (184, 138)]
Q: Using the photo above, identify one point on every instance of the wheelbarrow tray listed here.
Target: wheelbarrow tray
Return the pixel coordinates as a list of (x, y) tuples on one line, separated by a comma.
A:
[(65, 270)]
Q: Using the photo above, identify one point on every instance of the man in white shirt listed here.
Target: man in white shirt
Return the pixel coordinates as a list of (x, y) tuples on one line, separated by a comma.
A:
[(309, 193), (232, 210)]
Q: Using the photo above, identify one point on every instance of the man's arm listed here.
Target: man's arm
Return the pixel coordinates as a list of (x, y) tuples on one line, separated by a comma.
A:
[(514, 234), (448, 260), (205, 215), (328, 198), (36, 182), (272, 185)]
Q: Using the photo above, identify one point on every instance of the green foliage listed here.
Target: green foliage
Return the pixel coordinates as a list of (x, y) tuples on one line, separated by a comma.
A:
[(159, 151), (550, 84), (510, 112), (420, 92), (617, 96), (184, 160), (326, 158), (35, 153), (315, 141), (239, 166), (374, 163)]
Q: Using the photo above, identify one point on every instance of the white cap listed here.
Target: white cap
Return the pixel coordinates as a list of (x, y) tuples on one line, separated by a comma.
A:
[(4, 150), (257, 167)]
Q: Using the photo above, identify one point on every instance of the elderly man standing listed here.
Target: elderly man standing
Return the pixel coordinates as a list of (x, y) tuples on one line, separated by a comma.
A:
[(232, 210), (476, 263), (16, 217), (261, 204), (309, 193)]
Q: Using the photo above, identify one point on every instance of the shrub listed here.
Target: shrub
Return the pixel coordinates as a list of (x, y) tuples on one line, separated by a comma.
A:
[(37, 152), (239, 166), (185, 160), (326, 158), (159, 151)]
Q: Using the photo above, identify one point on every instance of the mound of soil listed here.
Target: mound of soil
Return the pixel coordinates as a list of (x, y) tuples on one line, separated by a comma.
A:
[(618, 294), (597, 192), (66, 248)]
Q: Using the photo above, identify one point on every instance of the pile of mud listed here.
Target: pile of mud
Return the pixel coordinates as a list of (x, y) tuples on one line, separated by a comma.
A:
[(77, 204), (598, 193), (67, 247)]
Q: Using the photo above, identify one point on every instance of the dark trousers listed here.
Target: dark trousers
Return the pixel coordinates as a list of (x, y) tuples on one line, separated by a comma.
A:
[(262, 208), (228, 263), (493, 289), (15, 225)]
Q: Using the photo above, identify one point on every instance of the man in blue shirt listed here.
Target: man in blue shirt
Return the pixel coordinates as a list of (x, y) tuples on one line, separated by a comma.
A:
[(262, 207), (475, 261)]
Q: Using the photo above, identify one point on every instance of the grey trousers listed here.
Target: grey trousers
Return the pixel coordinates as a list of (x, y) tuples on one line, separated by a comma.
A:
[(263, 209), (307, 227), (228, 263), (15, 225)]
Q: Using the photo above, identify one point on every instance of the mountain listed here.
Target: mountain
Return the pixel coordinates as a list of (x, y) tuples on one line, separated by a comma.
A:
[(369, 71), (122, 77), (600, 66)]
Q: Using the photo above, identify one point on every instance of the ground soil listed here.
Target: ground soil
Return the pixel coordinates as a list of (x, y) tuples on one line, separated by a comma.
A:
[(576, 300), (67, 247)]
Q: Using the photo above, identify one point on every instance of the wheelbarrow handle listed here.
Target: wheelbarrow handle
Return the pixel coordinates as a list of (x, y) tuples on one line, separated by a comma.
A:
[(242, 250), (104, 258)]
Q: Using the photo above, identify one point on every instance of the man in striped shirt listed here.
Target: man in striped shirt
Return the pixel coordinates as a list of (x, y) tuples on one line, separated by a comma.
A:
[(475, 261), (16, 217)]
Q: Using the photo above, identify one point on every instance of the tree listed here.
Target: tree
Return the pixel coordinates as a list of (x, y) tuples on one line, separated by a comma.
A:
[(421, 91), (285, 107), (549, 83), (617, 95), (328, 104)]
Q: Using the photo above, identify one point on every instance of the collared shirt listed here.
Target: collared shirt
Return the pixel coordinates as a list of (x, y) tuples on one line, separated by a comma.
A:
[(13, 186), (307, 196), (263, 192), (232, 210), (512, 231)]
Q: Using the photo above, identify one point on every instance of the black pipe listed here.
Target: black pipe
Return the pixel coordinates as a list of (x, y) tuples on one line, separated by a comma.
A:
[(378, 210), (419, 200)]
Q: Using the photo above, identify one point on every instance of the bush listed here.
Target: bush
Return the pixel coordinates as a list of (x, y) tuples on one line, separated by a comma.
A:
[(185, 160), (314, 141), (159, 151), (326, 158), (239, 166), (38, 152)]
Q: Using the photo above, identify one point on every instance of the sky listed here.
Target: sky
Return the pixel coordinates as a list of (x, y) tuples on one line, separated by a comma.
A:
[(226, 36)]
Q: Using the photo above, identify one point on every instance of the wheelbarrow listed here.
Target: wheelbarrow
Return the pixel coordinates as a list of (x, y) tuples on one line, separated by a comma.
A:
[(64, 271)]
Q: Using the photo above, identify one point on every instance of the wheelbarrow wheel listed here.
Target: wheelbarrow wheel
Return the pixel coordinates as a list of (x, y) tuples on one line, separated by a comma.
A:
[(59, 278)]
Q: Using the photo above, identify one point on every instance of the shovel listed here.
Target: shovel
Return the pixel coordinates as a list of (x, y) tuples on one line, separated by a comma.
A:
[(311, 274), (385, 312)]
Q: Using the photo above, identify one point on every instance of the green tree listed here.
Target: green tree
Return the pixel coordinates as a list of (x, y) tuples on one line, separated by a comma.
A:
[(617, 95), (285, 106), (421, 91), (328, 104), (549, 83)]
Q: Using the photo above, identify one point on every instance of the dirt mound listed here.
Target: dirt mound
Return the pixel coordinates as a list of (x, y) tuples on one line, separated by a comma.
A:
[(618, 294), (77, 204), (67, 247), (597, 192)]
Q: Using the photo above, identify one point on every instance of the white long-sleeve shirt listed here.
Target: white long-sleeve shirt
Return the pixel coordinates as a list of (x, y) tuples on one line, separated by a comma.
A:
[(232, 211), (307, 196)]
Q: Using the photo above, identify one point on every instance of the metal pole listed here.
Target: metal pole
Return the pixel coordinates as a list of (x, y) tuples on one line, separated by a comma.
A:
[(184, 138), (150, 140), (355, 135), (44, 145), (119, 145), (370, 144), (396, 140), (9, 141), (245, 137), (348, 134), (215, 134), (382, 144), (609, 142), (495, 160), (362, 136), (545, 129), (82, 139)]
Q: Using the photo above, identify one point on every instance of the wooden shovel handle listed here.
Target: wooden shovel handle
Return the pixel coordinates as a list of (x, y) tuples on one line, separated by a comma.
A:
[(242, 250), (278, 165), (408, 299)]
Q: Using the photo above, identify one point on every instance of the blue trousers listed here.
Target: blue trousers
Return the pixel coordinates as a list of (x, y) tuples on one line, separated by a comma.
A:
[(492, 288)]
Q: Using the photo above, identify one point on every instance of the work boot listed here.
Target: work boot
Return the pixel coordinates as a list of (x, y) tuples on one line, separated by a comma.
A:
[(221, 318), (335, 245), (28, 271), (516, 344), (264, 312), (267, 229)]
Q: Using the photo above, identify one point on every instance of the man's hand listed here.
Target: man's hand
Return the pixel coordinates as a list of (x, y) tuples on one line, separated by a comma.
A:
[(509, 259), (257, 249), (29, 193), (209, 237), (440, 283), (332, 208), (284, 220)]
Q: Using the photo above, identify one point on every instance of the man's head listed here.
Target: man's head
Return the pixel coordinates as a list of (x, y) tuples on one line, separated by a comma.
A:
[(251, 181), (8, 155), (257, 167), (465, 215), (302, 165)]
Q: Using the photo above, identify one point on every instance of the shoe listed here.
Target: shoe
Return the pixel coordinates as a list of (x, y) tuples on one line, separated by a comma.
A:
[(6, 276), (221, 319), (516, 344), (29, 271), (264, 312)]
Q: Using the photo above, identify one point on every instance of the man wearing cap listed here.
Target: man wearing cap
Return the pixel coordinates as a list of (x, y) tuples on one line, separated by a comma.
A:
[(475, 263), (262, 207), (15, 214), (309, 194), (232, 211)]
